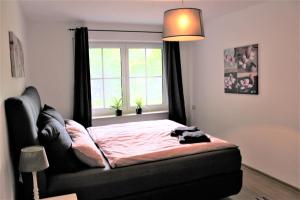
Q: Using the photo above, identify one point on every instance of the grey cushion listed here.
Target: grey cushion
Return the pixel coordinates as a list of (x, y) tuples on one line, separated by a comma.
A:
[(58, 145), (50, 111)]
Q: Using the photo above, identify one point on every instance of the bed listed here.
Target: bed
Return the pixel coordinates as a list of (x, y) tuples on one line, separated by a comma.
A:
[(212, 174)]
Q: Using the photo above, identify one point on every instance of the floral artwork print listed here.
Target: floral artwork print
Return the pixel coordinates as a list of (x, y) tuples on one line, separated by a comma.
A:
[(241, 70)]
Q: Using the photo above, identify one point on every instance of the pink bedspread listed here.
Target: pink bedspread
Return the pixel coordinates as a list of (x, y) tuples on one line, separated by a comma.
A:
[(139, 142)]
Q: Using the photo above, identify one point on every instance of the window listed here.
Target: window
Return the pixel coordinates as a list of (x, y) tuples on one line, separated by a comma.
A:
[(105, 68), (127, 71)]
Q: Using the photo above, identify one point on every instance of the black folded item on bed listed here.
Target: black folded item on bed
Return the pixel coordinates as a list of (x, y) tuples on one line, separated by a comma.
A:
[(193, 137), (178, 131)]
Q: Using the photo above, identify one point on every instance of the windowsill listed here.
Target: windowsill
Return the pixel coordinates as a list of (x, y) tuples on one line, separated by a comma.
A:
[(130, 115)]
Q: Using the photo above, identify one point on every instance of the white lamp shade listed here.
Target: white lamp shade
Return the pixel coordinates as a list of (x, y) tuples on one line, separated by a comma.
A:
[(33, 159), (183, 24)]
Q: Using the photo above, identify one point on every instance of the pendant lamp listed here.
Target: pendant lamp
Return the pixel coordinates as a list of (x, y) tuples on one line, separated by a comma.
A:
[(183, 24)]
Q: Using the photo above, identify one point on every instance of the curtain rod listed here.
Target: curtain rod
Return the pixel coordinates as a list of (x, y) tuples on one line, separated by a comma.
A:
[(73, 29)]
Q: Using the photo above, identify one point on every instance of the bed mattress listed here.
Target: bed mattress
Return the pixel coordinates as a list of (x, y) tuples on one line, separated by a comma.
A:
[(139, 142)]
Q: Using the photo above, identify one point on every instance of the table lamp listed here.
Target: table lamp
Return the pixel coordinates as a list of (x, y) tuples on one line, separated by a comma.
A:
[(33, 159)]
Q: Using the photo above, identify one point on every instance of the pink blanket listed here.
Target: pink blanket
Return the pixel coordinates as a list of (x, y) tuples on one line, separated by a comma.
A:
[(139, 142)]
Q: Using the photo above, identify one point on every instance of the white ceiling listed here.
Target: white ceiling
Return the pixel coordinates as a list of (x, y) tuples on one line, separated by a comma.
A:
[(124, 11)]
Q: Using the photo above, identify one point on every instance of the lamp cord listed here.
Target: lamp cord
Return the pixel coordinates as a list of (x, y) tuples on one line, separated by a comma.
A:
[(181, 3)]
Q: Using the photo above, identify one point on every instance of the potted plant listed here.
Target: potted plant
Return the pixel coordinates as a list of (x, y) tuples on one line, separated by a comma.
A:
[(139, 104), (117, 106)]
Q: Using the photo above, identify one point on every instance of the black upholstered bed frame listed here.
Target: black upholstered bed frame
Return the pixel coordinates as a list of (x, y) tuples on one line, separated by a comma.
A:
[(211, 175)]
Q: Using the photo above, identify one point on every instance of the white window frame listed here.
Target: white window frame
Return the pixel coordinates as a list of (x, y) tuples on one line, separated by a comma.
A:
[(127, 109)]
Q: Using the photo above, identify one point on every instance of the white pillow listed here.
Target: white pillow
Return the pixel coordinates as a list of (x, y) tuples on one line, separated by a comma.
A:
[(83, 146)]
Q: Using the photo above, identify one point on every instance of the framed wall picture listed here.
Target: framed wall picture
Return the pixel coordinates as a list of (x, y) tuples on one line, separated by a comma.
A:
[(16, 56), (241, 70)]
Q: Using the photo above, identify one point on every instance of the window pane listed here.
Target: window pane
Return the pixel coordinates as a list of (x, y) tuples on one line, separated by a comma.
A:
[(97, 93), (112, 91), (112, 62), (137, 89), (136, 62), (95, 62), (154, 62), (154, 91)]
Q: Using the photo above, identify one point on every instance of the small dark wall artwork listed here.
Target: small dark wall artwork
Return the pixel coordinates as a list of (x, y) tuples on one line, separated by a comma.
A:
[(16, 56), (241, 70)]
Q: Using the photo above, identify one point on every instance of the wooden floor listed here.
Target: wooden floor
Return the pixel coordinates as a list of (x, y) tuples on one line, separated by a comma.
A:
[(257, 186)]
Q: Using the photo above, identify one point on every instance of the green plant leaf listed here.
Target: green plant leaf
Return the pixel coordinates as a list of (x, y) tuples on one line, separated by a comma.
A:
[(117, 104), (139, 102)]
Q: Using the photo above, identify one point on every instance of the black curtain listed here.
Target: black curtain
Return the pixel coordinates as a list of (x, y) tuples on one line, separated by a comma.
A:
[(82, 112), (174, 82)]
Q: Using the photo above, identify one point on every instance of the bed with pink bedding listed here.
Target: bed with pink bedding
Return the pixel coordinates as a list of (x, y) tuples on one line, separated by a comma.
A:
[(145, 161)]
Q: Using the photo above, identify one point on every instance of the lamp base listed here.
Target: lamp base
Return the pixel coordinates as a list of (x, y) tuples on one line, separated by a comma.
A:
[(35, 187)]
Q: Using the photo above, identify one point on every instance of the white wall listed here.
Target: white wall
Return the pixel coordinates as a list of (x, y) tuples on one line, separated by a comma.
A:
[(50, 51), (123, 36), (299, 78), (11, 20), (266, 126), (187, 77)]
